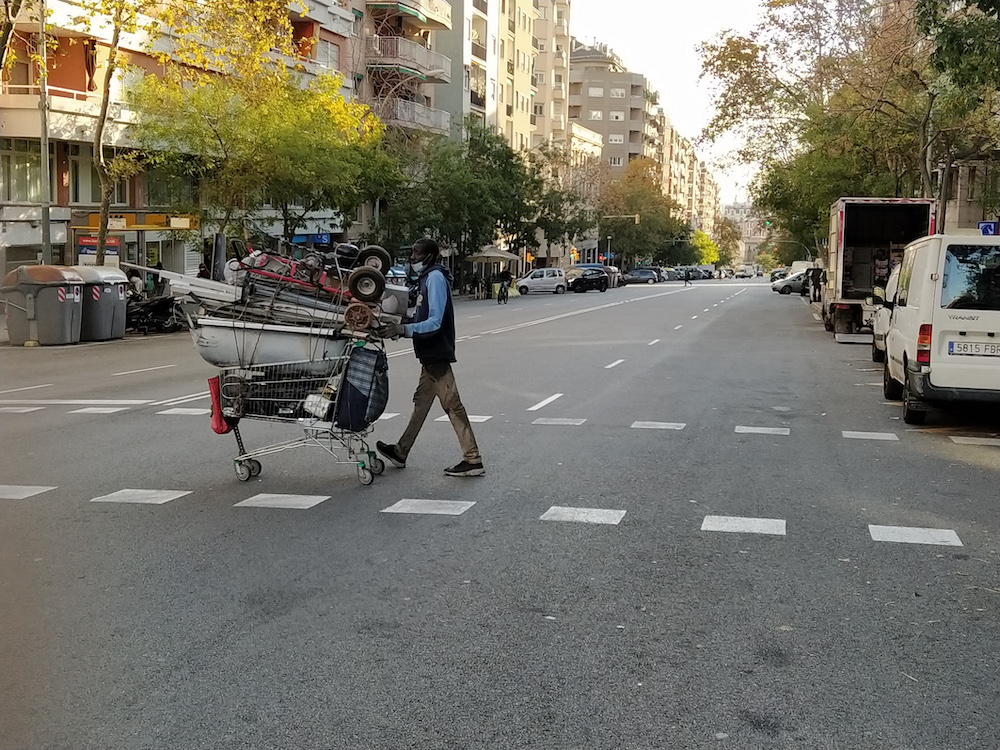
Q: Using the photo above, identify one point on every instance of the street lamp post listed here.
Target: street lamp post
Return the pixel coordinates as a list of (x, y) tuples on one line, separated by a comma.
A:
[(609, 249)]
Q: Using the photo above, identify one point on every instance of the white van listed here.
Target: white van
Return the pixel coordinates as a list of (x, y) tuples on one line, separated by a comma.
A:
[(543, 280), (943, 342)]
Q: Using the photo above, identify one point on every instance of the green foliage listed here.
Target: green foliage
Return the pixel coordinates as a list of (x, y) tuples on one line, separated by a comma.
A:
[(708, 251), (966, 39), (727, 239)]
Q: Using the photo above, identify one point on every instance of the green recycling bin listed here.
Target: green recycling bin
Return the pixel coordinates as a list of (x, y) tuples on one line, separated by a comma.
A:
[(44, 305), (103, 302)]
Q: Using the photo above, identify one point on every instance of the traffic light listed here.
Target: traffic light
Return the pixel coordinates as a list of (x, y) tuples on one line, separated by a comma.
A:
[(767, 222)]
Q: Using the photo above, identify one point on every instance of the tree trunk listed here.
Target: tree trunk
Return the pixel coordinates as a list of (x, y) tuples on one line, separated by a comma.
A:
[(100, 163), (945, 192), (7, 29)]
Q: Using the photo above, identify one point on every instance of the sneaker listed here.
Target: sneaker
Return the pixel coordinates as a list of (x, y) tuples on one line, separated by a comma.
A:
[(466, 469), (390, 452)]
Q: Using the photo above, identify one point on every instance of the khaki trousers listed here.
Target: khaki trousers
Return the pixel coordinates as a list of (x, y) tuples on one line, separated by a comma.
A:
[(438, 381)]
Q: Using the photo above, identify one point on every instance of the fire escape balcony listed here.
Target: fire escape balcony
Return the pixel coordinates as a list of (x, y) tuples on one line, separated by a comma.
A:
[(402, 54), (407, 114), (427, 14)]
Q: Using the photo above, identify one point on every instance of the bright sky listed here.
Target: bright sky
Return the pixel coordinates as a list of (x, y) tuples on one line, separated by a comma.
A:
[(658, 38)]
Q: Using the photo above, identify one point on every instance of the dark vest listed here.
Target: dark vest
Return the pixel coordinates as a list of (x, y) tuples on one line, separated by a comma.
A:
[(437, 347)]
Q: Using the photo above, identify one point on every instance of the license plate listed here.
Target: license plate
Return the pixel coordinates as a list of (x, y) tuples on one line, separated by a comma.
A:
[(974, 348)]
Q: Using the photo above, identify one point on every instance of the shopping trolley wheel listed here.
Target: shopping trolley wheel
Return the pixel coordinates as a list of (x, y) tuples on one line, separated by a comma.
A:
[(255, 467), (376, 464), (365, 476), (243, 471)]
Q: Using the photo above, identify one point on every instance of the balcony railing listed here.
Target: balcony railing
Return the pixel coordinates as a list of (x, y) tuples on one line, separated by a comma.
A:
[(534, 42), (510, 67), (562, 26), (413, 115), (477, 98), (434, 14), (394, 50), (511, 25), (534, 119), (510, 110), (479, 51)]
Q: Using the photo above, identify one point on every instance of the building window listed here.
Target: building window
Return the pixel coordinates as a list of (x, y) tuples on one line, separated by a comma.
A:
[(467, 77), (558, 79), (616, 138), (617, 116), (542, 13), (595, 114), (85, 183), (538, 109), (541, 45), (616, 161), (21, 170), (595, 91), (163, 189), (557, 108), (328, 55), (617, 93)]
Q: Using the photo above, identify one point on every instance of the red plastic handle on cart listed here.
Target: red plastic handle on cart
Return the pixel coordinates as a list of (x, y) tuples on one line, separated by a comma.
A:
[(220, 425)]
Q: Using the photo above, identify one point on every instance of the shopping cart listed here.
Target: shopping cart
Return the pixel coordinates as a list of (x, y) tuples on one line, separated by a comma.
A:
[(320, 404)]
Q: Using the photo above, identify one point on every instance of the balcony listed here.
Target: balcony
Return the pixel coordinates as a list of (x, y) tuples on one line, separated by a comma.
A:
[(396, 52), (479, 51), (408, 114), (562, 27), (511, 26), (558, 91), (510, 67), (534, 42), (534, 118), (481, 5), (510, 110), (427, 14), (477, 98), (71, 112)]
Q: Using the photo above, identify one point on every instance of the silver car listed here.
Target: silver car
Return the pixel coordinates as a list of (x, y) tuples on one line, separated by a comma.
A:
[(789, 284)]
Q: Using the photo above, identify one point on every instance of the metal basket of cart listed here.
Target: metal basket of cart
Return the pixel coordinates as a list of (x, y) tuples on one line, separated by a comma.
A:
[(334, 409)]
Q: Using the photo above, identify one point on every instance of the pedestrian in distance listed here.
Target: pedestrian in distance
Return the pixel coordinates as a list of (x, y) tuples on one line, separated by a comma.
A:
[(687, 277), (433, 334), (817, 284), (203, 271)]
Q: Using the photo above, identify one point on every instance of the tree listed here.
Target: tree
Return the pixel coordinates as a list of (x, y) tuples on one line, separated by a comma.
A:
[(11, 12), (727, 239), (708, 251)]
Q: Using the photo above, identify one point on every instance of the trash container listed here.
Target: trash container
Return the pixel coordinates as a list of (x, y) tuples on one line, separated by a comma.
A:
[(103, 302), (44, 305)]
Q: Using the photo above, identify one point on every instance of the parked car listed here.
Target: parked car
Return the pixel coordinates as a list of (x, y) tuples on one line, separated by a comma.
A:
[(942, 345), (614, 275), (582, 279), (640, 276), (543, 280), (883, 313), (779, 273), (789, 284)]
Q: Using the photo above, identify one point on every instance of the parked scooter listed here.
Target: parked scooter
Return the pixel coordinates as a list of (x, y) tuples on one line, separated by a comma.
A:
[(156, 315)]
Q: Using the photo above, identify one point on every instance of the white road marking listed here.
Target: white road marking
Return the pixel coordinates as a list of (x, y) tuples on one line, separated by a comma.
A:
[(27, 388), (705, 310), (388, 415), (654, 341), (99, 410), (430, 507), (401, 352), (677, 328), (182, 399), (614, 364), (817, 317), (472, 418), (145, 369), (275, 500), (782, 408), (548, 303), (545, 402), (974, 440), (869, 435), (738, 524), (853, 338), (659, 425), (763, 430), (182, 412), (715, 305), (21, 491), (146, 497), (694, 317), (914, 535), (20, 409), (474, 316), (583, 515), (74, 402), (559, 421)]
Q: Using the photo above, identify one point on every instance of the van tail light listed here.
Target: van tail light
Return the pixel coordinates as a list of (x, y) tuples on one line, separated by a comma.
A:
[(924, 345)]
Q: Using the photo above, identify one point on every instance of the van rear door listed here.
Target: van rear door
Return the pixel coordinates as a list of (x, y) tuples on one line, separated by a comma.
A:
[(966, 320)]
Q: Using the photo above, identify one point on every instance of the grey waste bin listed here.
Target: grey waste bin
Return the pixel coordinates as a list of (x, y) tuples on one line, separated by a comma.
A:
[(103, 302), (44, 305)]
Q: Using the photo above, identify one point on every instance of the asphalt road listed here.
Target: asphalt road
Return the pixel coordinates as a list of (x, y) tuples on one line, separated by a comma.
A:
[(733, 595)]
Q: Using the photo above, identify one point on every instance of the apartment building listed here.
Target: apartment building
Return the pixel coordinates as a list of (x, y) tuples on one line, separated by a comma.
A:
[(143, 229), (551, 73), (705, 199), (620, 105), (753, 233), (516, 74), (473, 44), (402, 65)]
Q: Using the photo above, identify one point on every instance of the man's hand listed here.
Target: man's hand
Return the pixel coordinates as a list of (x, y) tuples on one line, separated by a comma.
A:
[(390, 330)]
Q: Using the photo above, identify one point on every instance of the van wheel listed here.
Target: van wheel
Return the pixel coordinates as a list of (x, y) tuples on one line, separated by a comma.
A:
[(910, 414), (877, 354), (892, 389), (522, 290), (560, 289)]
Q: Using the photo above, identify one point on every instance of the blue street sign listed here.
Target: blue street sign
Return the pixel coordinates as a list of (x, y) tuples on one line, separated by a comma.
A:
[(989, 228)]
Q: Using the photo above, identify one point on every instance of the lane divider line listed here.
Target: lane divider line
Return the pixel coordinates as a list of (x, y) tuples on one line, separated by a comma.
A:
[(614, 364), (544, 402), (145, 369), (27, 388)]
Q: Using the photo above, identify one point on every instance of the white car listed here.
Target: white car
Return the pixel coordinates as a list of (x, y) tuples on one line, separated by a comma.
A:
[(543, 280), (883, 314), (943, 342)]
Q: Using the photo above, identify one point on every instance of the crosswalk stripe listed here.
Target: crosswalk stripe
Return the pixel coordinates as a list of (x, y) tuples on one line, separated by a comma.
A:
[(739, 524), (960, 440), (388, 415), (914, 535), (21, 491), (188, 412), (145, 497), (99, 410), (762, 430), (583, 515), (472, 418), (430, 507), (20, 409), (659, 425), (559, 421), (869, 435), (276, 500)]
